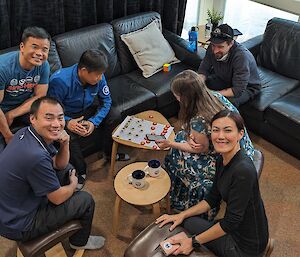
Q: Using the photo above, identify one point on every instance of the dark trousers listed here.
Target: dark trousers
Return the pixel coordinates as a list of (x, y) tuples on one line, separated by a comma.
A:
[(49, 217), (104, 132), (215, 83), (224, 246)]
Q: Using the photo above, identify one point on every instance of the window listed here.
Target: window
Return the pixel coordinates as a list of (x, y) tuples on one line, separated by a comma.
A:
[(191, 17), (251, 18)]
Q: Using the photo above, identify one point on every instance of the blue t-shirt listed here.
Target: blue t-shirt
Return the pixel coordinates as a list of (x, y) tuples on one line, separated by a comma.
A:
[(19, 83), (27, 176), (66, 87)]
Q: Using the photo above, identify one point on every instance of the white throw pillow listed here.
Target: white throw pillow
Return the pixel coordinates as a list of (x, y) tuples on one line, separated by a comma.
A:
[(149, 48)]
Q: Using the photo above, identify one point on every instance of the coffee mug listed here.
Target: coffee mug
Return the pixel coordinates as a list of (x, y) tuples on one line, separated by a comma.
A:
[(137, 178), (153, 168)]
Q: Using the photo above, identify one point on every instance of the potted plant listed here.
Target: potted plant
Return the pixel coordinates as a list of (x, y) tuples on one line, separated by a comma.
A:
[(215, 17)]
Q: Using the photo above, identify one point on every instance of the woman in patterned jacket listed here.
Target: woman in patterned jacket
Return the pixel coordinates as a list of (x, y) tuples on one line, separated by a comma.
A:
[(191, 160)]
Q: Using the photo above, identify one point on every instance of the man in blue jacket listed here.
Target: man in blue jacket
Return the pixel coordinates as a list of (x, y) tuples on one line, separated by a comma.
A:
[(85, 95)]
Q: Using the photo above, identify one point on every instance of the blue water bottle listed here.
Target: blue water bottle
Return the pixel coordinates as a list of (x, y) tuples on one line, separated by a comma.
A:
[(193, 39)]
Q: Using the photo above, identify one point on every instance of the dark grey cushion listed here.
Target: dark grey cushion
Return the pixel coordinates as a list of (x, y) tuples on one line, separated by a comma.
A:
[(159, 83), (129, 97), (280, 48), (72, 44), (274, 86), (284, 113)]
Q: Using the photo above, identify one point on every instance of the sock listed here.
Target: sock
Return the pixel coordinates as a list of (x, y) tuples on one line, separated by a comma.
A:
[(93, 243)]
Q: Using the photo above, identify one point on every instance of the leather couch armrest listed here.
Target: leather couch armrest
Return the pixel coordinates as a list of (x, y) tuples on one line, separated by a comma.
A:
[(253, 45), (180, 47)]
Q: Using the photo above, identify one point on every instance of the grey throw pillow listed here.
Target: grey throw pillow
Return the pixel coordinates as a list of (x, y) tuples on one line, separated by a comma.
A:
[(149, 48)]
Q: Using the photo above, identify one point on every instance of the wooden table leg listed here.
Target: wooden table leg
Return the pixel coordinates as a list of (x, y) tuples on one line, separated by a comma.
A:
[(156, 210), (116, 217), (113, 157), (168, 203)]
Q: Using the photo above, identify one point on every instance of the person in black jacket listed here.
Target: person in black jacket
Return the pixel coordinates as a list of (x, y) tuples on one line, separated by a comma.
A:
[(243, 232)]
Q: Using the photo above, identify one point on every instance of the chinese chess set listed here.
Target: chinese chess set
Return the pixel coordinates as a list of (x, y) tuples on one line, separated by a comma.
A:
[(134, 130)]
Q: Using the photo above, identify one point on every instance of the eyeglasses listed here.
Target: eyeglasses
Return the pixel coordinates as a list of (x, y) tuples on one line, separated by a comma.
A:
[(221, 35)]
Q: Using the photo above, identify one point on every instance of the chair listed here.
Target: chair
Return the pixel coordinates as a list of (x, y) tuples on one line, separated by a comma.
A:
[(258, 160), (146, 244), (50, 244)]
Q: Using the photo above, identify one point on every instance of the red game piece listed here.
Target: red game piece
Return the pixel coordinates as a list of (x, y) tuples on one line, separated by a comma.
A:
[(154, 123), (154, 147), (162, 133), (147, 141), (152, 128), (167, 126), (151, 116), (142, 143)]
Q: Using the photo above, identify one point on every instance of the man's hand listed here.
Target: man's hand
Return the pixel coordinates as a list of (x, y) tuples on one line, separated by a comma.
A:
[(89, 126), (9, 117), (163, 144), (75, 126), (73, 178), (186, 245), (64, 138), (8, 137), (164, 219)]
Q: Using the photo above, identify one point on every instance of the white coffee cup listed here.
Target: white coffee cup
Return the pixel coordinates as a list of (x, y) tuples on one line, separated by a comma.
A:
[(137, 178), (153, 168)]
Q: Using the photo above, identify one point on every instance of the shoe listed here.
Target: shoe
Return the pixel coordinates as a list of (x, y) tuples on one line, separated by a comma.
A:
[(122, 157), (93, 243), (81, 182)]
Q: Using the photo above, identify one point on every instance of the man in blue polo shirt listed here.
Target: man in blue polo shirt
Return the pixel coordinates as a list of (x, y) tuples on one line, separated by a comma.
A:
[(24, 77), (37, 185), (85, 95)]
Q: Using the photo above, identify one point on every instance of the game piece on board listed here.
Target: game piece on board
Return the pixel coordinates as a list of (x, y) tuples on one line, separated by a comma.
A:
[(154, 123), (152, 128), (167, 126), (154, 147), (142, 143), (147, 141), (151, 116)]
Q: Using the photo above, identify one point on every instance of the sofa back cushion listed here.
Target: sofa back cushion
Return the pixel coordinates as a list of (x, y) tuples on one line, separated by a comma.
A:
[(129, 24), (280, 49), (72, 44)]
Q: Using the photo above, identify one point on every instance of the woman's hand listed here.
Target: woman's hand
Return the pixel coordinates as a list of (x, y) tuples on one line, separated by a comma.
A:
[(164, 219), (186, 245), (195, 145), (163, 144)]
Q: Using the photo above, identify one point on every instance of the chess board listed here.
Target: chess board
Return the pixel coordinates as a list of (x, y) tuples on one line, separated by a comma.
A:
[(134, 130)]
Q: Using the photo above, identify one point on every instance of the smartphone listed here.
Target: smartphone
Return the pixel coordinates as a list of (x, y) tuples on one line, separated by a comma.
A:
[(169, 248), (151, 137)]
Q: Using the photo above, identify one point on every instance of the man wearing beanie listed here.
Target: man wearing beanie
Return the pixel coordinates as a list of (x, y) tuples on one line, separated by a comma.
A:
[(229, 67)]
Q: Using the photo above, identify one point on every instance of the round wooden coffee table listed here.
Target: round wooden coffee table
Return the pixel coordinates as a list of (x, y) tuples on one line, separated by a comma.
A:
[(147, 115), (154, 191)]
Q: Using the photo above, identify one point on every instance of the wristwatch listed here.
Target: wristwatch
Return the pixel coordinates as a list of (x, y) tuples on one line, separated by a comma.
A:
[(195, 243)]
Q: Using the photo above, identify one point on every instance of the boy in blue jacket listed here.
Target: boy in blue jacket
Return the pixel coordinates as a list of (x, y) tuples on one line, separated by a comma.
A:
[(85, 95)]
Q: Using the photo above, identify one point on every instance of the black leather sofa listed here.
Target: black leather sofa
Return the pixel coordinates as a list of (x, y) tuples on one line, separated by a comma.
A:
[(275, 112), (131, 92)]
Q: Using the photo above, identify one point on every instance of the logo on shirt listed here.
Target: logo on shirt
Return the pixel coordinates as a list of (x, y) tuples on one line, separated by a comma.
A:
[(13, 82), (36, 78), (22, 136), (105, 90)]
